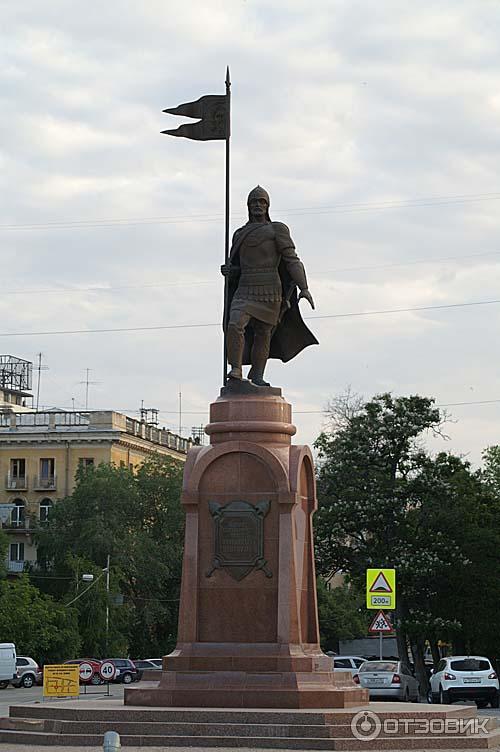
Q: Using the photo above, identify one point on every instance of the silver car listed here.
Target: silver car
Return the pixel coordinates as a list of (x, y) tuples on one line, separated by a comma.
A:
[(391, 679), (350, 663)]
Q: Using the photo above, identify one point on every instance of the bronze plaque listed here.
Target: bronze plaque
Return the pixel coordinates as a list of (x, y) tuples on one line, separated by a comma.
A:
[(239, 537)]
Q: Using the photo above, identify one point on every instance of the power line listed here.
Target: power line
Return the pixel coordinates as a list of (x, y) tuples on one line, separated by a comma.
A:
[(306, 412), (201, 283), (345, 208), (162, 327)]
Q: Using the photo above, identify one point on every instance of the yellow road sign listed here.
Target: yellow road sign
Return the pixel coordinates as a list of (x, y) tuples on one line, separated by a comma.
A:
[(61, 680), (381, 589)]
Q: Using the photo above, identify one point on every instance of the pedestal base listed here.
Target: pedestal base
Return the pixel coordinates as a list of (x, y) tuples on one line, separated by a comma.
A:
[(249, 676), (248, 619)]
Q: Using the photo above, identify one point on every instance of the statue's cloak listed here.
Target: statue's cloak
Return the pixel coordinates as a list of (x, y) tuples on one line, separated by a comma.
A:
[(291, 335)]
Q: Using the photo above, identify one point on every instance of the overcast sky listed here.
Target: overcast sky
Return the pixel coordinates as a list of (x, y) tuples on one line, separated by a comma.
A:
[(374, 126)]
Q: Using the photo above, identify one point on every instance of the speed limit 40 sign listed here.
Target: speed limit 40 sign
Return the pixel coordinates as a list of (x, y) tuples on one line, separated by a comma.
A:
[(107, 671)]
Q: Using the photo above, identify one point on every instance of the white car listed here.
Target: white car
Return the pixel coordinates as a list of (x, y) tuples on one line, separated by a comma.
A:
[(388, 679), (464, 677), (347, 663)]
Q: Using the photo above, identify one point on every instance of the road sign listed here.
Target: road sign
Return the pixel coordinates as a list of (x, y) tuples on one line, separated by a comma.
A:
[(381, 589), (107, 671), (381, 623), (86, 671), (61, 681)]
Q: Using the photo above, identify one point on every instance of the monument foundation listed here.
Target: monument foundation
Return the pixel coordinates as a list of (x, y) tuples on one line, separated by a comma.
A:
[(248, 622)]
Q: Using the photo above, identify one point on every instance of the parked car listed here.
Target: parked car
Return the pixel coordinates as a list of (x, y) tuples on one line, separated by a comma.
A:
[(148, 664), (126, 671), (158, 662), (465, 677), (28, 672), (96, 665), (7, 663), (350, 663), (388, 679)]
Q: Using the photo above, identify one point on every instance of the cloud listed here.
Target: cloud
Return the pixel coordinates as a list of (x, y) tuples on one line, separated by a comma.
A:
[(337, 108)]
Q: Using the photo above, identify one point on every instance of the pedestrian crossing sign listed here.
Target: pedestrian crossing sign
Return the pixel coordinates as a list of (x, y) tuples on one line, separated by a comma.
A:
[(381, 589)]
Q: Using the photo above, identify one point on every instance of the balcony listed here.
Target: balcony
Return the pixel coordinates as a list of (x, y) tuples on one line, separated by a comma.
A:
[(45, 482), (21, 526), (16, 482), (15, 566)]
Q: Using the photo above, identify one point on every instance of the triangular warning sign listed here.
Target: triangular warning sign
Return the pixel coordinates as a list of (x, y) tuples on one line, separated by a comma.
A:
[(381, 623), (380, 585)]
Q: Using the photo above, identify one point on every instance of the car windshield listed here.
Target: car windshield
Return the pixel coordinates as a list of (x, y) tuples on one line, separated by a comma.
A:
[(379, 666), (470, 664)]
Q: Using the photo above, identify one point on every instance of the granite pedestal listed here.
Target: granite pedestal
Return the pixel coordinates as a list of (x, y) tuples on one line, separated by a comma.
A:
[(248, 623)]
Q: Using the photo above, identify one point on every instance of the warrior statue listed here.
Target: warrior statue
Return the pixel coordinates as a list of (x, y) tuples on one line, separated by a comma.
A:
[(263, 318)]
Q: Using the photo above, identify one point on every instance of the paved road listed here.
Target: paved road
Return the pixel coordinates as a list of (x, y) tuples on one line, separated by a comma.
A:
[(21, 696)]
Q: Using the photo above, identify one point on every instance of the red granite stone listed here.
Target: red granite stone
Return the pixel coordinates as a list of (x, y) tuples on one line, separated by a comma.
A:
[(253, 642)]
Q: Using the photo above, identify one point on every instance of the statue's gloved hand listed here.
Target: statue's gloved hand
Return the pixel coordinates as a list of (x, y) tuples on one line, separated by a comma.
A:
[(307, 296)]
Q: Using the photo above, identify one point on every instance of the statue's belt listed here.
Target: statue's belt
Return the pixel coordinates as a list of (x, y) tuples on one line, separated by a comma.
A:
[(268, 277)]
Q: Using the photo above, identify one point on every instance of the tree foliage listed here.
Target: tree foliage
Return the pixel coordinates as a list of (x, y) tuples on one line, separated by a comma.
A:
[(385, 502), (341, 614), (137, 520), (38, 625)]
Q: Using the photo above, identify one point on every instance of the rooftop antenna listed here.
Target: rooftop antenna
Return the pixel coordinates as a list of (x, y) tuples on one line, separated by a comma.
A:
[(39, 369), (87, 384)]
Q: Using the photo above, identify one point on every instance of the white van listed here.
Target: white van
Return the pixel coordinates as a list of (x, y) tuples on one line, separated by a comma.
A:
[(7, 663)]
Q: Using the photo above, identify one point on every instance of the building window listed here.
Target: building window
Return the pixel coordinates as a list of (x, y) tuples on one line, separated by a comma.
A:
[(45, 508), (86, 462), (47, 468), (17, 515), (18, 469), (16, 552)]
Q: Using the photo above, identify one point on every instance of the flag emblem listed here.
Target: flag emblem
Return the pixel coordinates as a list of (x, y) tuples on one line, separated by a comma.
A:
[(212, 111)]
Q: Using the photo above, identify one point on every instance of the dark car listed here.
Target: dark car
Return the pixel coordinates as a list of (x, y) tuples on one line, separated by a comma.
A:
[(148, 664), (126, 670), (95, 677)]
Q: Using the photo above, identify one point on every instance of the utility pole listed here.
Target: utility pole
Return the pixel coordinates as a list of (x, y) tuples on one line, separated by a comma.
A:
[(180, 412)]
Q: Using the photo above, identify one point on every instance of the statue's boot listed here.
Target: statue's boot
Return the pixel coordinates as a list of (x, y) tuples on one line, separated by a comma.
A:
[(234, 344), (260, 353)]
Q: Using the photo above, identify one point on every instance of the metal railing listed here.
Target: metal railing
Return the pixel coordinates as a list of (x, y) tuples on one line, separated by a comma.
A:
[(16, 482), (45, 483), (15, 566)]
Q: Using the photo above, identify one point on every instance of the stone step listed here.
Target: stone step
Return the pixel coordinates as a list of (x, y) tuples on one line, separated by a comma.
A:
[(147, 728), (37, 739), (83, 712)]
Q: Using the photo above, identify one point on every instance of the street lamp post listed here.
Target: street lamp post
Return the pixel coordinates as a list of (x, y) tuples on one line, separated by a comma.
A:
[(107, 603)]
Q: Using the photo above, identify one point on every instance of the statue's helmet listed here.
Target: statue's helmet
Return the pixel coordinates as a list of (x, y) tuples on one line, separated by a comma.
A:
[(259, 192)]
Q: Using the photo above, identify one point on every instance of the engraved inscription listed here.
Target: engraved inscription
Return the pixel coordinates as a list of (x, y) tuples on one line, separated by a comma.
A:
[(239, 537)]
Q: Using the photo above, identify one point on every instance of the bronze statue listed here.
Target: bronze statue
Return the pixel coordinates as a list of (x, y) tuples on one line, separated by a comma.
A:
[(263, 318)]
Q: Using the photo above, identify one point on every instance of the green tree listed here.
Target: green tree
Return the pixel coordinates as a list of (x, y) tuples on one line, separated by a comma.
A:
[(137, 520), (341, 614), (379, 505), (38, 625), (4, 547)]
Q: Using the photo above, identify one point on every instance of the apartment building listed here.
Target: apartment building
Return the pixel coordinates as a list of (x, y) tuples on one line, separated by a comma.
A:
[(40, 453)]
